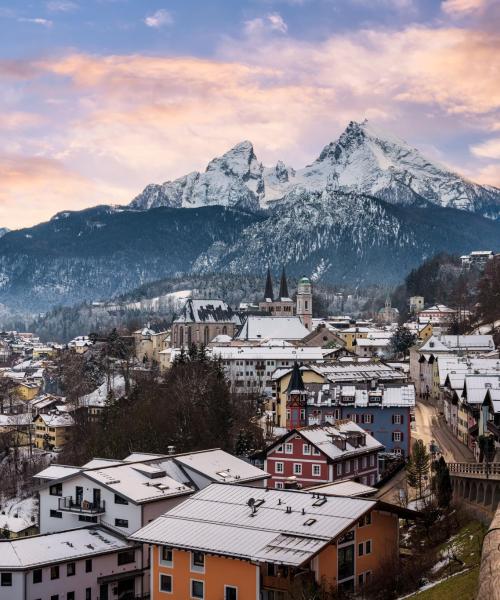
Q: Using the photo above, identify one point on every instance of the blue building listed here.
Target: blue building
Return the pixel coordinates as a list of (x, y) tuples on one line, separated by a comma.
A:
[(382, 410)]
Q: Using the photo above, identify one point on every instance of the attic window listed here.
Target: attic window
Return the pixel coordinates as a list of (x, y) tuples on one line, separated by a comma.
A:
[(223, 474), (310, 522)]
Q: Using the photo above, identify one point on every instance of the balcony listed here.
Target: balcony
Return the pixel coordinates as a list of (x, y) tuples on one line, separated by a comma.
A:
[(84, 507)]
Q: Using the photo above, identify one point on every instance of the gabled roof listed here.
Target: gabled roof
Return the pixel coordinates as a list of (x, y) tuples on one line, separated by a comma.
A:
[(207, 311), (278, 328), (63, 546), (220, 520)]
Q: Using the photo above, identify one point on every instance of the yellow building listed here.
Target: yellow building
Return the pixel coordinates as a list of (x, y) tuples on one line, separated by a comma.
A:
[(27, 390), (149, 343), (280, 385), (352, 334), (425, 332), (53, 430)]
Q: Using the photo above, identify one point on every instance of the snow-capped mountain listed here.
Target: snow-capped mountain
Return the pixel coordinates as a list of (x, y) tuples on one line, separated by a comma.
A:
[(345, 237), (233, 180), (363, 160)]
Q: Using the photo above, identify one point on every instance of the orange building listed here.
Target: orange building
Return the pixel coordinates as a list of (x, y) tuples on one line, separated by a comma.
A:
[(242, 543)]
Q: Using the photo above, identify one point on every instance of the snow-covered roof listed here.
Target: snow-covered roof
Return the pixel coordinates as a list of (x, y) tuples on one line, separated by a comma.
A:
[(207, 311), (138, 482), (445, 343), (321, 437), (476, 387), (57, 419), (277, 328), (221, 466), (52, 548), (288, 527), (373, 343), (289, 352), (57, 472), (343, 488)]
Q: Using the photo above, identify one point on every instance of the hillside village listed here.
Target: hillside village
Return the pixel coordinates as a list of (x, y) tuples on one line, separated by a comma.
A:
[(319, 490)]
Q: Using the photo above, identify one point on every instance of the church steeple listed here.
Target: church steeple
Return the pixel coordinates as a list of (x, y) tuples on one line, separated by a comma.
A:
[(268, 294), (283, 285)]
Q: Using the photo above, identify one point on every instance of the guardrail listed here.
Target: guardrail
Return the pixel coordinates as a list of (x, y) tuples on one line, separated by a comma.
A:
[(476, 469)]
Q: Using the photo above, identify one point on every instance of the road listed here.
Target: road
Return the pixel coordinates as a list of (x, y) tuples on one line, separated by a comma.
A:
[(428, 426)]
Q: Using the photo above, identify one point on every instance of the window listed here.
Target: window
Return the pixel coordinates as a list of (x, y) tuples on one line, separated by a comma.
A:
[(70, 569), (339, 468), (70, 596), (361, 548), (120, 500), (363, 462), (306, 449), (230, 592), (368, 547), (315, 451), (288, 448), (372, 460), (88, 565), (167, 556), (121, 523), (297, 469), (316, 470), (279, 485), (6, 580), (197, 561), (166, 583), (279, 467), (397, 436), (197, 590), (279, 449), (56, 514), (397, 419), (56, 489), (365, 520), (87, 518), (126, 557), (37, 576), (88, 593), (54, 572), (54, 597)]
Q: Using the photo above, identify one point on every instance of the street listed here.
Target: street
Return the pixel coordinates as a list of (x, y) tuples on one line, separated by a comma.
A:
[(428, 426)]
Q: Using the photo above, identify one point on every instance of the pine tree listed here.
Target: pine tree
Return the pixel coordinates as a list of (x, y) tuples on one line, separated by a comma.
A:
[(402, 340), (417, 467)]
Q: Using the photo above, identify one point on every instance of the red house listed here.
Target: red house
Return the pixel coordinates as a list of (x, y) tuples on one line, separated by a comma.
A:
[(313, 455)]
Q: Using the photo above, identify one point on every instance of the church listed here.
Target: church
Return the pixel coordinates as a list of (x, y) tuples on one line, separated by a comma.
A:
[(283, 305)]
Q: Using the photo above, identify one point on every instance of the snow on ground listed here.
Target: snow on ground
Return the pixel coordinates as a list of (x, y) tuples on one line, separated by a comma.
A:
[(17, 514)]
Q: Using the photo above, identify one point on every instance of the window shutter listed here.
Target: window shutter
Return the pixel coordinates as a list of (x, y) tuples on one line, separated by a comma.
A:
[(393, 419), (402, 418), (401, 436)]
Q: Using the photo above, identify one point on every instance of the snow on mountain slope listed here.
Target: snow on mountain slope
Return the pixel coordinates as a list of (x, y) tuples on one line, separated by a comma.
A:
[(363, 160), (234, 180), (347, 237)]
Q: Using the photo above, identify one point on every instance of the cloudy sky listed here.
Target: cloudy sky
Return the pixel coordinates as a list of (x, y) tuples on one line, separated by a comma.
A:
[(100, 97)]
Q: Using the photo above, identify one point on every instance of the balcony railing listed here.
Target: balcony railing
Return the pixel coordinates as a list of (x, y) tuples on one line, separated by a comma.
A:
[(489, 470), (83, 507)]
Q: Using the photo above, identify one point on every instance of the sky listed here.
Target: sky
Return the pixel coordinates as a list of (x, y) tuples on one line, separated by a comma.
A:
[(98, 98)]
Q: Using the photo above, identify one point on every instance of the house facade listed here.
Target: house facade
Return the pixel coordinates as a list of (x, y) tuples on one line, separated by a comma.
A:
[(314, 455), (231, 543)]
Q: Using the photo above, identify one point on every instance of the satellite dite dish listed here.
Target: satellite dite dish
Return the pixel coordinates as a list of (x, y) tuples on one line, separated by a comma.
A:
[(251, 504)]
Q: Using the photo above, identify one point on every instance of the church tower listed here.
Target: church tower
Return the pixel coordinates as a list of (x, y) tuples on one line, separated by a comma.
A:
[(304, 302)]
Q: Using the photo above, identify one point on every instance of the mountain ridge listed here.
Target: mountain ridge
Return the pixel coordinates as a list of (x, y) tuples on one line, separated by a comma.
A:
[(362, 160)]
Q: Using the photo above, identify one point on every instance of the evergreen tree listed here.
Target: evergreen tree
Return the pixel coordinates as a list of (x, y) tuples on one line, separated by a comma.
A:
[(442, 483), (417, 467), (402, 340)]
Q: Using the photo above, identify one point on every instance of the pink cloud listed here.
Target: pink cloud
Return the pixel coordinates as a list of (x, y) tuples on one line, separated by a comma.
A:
[(122, 121)]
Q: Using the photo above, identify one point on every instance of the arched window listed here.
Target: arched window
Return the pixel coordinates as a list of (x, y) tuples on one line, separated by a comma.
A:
[(181, 336), (224, 330), (189, 337), (205, 335)]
